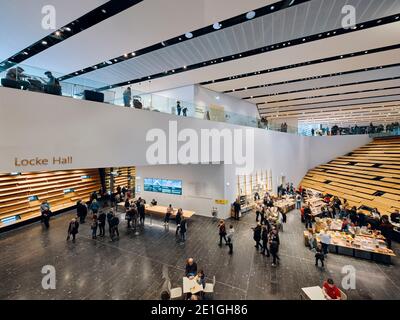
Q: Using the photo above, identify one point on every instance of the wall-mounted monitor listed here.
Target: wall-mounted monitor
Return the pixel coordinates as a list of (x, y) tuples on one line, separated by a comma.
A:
[(33, 198), (163, 186)]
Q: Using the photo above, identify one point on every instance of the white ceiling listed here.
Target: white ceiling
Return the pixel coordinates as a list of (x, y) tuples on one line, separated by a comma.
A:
[(21, 21), (138, 27)]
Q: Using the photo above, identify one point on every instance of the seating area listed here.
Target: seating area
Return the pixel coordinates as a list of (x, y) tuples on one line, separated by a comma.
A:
[(22, 194), (368, 177)]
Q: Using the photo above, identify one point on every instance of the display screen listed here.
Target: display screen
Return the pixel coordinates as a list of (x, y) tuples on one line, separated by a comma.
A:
[(163, 185), (33, 198)]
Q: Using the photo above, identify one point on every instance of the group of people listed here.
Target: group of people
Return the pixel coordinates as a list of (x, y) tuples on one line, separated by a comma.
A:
[(181, 110), (226, 235)]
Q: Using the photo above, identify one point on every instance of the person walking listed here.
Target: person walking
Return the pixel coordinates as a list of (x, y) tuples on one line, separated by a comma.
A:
[(141, 210), (102, 223), (264, 238), (231, 232), (127, 96), (274, 246), (319, 255), (178, 108), (94, 226), (257, 235), (45, 213), (307, 216), (325, 239), (183, 229), (73, 228), (178, 219), (222, 232)]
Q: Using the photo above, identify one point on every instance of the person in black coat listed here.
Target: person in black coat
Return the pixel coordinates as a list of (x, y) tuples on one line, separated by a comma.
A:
[(236, 209), (178, 219), (183, 229), (109, 216), (73, 228), (264, 238), (102, 223), (308, 217), (141, 210), (190, 268), (274, 246), (257, 235), (387, 231), (222, 232), (81, 211), (114, 228)]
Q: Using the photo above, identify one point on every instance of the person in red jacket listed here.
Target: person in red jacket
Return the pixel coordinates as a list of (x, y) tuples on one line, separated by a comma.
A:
[(331, 291)]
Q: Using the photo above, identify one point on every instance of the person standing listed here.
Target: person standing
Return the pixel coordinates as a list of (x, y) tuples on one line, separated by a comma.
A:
[(110, 215), (236, 209), (222, 232), (102, 223), (183, 229), (141, 210), (325, 239), (178, 108), (387, 230), (257, 235), (81, 211), (298, 201), (94, 206), (231, 232), (178, 219), (307, 216), (94, 226), (73, 228), (264, 238), (319, 255), (167, 217), (274, 246), (114, 228), (127, 96)]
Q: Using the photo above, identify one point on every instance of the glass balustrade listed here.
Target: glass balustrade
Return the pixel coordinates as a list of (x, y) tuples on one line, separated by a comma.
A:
[(39, 80)]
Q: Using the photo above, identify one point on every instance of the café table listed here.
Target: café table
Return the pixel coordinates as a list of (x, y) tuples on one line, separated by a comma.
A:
[(191, 286), (313, 293)]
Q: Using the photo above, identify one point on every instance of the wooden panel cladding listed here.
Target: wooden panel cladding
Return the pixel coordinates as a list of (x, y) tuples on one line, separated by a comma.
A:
[(369, 175), (22, 194), (125, 177)]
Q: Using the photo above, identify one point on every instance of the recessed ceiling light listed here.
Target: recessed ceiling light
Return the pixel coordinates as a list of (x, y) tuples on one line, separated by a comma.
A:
[(217, 26), (44, 42), (133, 54), (115, 60), (250, 15), (189, 35), (104, 11), (57, 33), (272, 8), (184, 67), (68, 29), (126, 55), (25, 53), (109, 62)]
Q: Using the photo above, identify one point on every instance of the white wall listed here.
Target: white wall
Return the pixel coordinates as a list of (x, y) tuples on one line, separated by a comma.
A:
[(201, 186), (206, 97)]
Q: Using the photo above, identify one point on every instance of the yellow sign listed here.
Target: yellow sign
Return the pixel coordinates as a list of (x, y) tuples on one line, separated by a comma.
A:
[(221, 201)]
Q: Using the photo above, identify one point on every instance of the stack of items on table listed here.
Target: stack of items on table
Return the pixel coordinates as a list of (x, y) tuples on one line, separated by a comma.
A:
[(285, 203), (354, 237)]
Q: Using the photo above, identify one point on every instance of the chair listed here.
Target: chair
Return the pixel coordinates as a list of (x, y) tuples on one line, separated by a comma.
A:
[(209, 288), (174, 293), (343, 296)]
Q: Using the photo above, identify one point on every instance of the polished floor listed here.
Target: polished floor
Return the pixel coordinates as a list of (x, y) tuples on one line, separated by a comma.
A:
[(137, 266)]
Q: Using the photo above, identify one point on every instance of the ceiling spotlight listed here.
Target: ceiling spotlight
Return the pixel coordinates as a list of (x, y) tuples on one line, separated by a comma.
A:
[(217, 26), (272, 8), (250, 15), (109, 62), (180, 39), (25, 53), (133, 54), (184, 67), (95, 67), (44, 42), (104, 11), (68, 29), (189, 35), (126, 55), (57, 33), (115, 60)]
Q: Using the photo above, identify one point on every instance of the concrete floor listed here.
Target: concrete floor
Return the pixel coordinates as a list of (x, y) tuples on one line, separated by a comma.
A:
[(137, 266)]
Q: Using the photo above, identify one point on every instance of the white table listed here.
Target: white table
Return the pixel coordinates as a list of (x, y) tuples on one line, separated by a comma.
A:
[(191, 285), (313, 293)]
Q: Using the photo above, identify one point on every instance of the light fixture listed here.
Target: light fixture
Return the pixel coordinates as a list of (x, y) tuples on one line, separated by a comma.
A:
[(184, 67), (250, 15), (126, 55), (57, 33), (217, 97), (217, 26), (272, 7), (25, 53), (189, 35), (44, 42), (104, 11), (68, 29), (133, 54)]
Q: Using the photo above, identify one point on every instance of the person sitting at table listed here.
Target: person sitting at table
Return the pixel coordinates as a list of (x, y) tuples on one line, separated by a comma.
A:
[(165, 295), (387, 231), (361, 218), (353, 215), (191, 268), (331, 291), (201, 278), (395, 216), (153, 202)]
